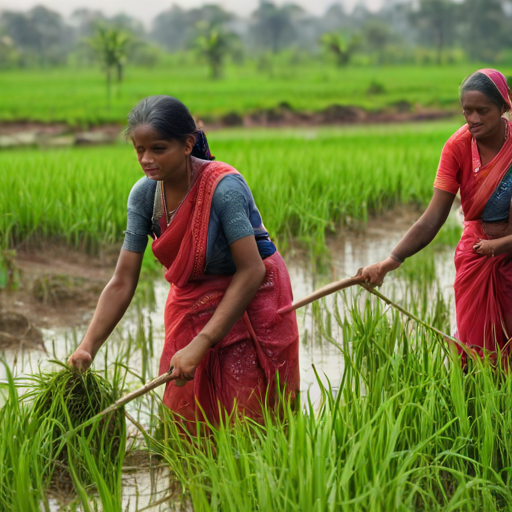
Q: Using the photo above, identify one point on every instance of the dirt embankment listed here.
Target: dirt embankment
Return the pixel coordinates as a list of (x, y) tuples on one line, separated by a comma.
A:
[(59, 287), (30, 133)]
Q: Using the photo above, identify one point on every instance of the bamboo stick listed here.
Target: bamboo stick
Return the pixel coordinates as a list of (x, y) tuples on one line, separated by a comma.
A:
[(322, 292), (358, 280), (446, 337)]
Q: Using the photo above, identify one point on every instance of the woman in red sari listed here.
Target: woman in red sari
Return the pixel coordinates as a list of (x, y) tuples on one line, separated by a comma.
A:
[(223, 336), (477, 160)]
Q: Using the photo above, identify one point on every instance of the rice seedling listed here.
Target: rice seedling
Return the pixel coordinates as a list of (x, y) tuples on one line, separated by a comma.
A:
[(34, 455), (22, 467), (408, 429), (68, 398), (10, 274)]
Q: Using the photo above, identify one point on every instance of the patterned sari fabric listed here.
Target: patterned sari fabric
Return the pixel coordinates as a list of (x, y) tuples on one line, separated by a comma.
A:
[(262, 347), (483, 285)]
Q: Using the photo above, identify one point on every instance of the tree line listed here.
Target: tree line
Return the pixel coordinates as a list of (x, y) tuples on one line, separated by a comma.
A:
[(402, 31)]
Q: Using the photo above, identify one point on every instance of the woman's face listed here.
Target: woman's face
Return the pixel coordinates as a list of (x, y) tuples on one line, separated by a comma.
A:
[(159, 158), (482, 115)]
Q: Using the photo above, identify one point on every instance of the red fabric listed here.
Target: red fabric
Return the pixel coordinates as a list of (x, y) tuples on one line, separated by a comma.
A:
[(483, 293), (243, 366), (483, 286), (460, 167), (455, 170), (499, 81)]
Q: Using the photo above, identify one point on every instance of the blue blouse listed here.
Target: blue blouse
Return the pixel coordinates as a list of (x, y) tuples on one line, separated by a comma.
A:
[(497, 208), (233, 215)]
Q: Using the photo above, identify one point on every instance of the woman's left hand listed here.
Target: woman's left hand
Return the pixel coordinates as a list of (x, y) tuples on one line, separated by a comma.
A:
[(186, 360), (486, 248)]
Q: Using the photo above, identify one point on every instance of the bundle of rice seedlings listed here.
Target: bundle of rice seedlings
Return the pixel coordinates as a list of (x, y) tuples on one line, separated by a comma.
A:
[(64, 400)]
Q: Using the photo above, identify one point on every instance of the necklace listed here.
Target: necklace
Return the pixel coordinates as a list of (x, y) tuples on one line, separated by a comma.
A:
[(170, 213)]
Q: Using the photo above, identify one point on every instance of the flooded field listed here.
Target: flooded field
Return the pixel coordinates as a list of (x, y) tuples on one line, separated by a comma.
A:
[(138, 340), (347, 254)]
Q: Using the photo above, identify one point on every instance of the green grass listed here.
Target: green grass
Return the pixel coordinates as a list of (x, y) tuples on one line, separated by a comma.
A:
[(306, 182), (78, 96), (34, 457), (407, 430)]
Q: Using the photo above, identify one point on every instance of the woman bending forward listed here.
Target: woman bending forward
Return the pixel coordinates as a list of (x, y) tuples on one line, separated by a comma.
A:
[(223, 336), (477, 160)]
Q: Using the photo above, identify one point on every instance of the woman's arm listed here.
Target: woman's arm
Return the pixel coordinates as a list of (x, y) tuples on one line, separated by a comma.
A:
[(418, 237), (250, 272), (495, 247), (112, 305)]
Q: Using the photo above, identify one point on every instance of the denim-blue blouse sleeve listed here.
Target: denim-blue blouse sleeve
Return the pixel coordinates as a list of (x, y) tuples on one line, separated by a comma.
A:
[(140, 213), (233, 215)]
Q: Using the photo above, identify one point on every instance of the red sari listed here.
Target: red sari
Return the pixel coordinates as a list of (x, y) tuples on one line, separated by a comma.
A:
[(483, 285), (243, 367)]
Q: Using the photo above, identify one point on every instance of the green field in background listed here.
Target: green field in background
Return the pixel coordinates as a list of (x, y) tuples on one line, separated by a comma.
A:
[(78, 96), (306, 182)]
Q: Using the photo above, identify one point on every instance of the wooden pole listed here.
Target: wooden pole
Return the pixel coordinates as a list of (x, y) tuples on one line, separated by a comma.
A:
[(358, 280), (322, 292)]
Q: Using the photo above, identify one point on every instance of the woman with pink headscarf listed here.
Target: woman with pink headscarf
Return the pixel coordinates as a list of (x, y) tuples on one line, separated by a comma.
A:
[(477, 160)]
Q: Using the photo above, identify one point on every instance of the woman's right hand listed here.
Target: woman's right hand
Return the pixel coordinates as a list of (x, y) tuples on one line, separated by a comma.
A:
[(374, 274), (80, 359)]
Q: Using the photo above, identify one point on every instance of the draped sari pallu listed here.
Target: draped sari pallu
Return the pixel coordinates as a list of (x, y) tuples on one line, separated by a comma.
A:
[(243, 367), (483, 286)]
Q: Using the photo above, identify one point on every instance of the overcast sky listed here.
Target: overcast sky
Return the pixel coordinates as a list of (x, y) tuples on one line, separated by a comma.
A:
[(146, 10)]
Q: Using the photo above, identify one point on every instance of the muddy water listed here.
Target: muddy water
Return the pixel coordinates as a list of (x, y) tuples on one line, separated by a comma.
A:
[(347, 253)]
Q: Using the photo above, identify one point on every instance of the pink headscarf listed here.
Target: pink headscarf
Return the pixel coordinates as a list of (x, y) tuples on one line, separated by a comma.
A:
[(499, 80)]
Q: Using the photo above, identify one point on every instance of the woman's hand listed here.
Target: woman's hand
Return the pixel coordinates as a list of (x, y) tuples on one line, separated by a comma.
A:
[(487, 248), (374, 274), (80, 359), (186, 360)]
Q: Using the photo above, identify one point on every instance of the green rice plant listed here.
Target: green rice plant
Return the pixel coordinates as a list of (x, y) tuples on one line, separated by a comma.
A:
[(330, 177), (407, 430), (10, 274), (65, 400), (33, 453), (22, 467)]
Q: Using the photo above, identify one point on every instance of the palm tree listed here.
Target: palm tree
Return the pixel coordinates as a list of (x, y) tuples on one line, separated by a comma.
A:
[(110, 44), (338, 45), (214, 42)]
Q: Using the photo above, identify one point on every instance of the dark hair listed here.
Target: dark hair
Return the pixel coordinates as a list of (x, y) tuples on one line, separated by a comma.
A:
[(482, 83), (171, 119)]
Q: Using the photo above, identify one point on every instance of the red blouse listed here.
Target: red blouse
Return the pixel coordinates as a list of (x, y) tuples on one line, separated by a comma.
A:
[(455, 167), (460, 168)]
